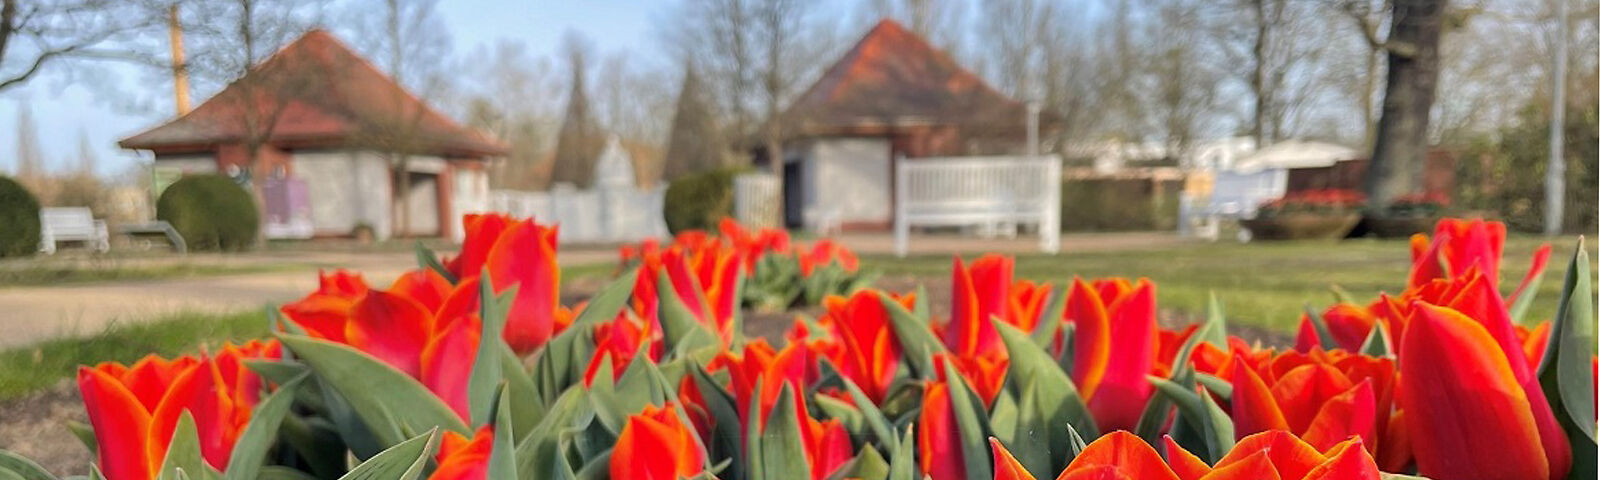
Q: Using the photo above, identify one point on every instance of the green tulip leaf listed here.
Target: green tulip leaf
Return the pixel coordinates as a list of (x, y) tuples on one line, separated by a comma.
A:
[(375, 390), (404, 461)]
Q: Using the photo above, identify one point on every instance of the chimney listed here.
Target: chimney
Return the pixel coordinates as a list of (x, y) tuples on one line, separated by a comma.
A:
[(180, 70)]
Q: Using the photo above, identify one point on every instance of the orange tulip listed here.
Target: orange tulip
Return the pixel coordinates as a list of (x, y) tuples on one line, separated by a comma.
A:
[(827, 444), (1467, 415), (868, 352), (938, 436), (620, 340), (978, 296), (704, 278), (324, 312), (986, 372), (826, 252), (1315, 401), (655, 445), (1115, 347), (461, 458), (394, 327), (1118, 454), (135, 410), (1006, 466)]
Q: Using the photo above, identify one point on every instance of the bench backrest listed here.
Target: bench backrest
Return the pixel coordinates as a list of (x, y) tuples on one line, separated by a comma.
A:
[(77, 222)]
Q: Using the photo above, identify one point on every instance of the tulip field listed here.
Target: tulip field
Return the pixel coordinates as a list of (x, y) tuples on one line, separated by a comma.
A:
[(471, 367)]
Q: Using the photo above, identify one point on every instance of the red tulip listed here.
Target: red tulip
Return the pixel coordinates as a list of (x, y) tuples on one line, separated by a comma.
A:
[(1280, 454), (1115, 347), (1118, 454), (978, 296), (324, 312), (826, 252), (620, 340), (1006, 466), (938, 436), (1467, 415), (827, 444), (1184, 464), (525, 256), (134, 411), (655, 445), (461, 458), (1315, 401), (868, 351), (986, 373)]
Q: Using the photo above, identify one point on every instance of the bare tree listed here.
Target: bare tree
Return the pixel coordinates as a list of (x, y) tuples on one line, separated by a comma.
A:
[(413, 44), (1185, 83), (1401, 142), (36, 33), (518, 98), (30, 160)]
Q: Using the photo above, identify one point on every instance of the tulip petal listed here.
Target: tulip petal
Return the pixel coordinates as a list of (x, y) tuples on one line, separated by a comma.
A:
[(1255, 466), (1091, 336), (121, 425), (392, 328), (1468, 416), (446, 364), (1127, 453), (1254, 408), (1006, 466), (1346, 461), (525, 255), (1353, 412), (1119, 401), (1183, 463), (1290, 457)]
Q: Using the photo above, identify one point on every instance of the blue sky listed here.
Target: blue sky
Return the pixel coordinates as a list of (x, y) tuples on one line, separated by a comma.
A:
[(63, 106)]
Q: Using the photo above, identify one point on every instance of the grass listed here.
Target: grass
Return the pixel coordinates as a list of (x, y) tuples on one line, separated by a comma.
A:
[(29, 369), (1264, 284)]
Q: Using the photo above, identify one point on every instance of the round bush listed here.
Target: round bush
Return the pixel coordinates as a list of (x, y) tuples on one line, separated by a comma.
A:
[(19, 213), (211, 212), (698, 201)]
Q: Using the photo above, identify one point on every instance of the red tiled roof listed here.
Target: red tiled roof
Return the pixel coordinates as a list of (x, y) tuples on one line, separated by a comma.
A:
[(894, 77), (327, 96)]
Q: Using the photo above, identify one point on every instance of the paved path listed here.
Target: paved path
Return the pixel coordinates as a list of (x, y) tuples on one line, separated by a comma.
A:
[(32, 314)]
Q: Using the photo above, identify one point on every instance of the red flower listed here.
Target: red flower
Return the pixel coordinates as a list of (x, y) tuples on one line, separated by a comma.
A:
[(1115, 347), (620, 340), (827, 444), (978, 296), (135, 410), (868, 351), (461, 458), (655, 445), (938, 436), (1006, 466), (1467, 415)]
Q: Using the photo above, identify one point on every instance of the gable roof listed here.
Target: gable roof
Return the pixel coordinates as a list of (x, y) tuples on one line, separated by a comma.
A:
[(894, 77), (322, 94)]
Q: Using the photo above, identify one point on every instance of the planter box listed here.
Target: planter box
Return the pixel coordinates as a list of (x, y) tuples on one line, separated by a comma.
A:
[(1301, 226)]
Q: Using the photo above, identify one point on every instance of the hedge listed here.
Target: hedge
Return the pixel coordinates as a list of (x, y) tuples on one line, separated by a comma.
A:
[(211, 212), (1116, 204), (19, 213)]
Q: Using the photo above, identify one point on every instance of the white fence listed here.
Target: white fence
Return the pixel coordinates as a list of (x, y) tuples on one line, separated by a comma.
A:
[(757, 200), (601, 215), (990, 193)]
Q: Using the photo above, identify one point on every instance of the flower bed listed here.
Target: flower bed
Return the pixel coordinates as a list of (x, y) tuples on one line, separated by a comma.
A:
[(1311, 214), (470, 368)]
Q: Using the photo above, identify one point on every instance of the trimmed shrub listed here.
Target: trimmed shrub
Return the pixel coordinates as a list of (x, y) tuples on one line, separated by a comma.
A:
[(211, 212), (700, 200), (19, 220)]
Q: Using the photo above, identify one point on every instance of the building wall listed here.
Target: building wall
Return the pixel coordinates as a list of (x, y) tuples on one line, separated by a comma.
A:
[(347, 189), (849, 179)]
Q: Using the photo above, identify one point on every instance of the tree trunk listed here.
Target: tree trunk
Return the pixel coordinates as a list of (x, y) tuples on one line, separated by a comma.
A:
[(1401, 142), (1258, 78)]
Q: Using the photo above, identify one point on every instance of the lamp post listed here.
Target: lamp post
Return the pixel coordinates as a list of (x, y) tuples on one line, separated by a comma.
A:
[(1555, 188)]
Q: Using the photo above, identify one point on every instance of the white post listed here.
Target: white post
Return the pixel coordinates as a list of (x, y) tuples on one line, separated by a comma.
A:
[(1050, 225), (902, 229), (1554, 179)]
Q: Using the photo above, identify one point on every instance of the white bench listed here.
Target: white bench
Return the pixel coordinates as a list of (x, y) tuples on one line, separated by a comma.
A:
[(71, 224), (990, 193)]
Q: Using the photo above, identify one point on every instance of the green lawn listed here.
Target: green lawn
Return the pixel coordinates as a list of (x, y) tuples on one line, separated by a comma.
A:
[(27, 369), (1265, 284)]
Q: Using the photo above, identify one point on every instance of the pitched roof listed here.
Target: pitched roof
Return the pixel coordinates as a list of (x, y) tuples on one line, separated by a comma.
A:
[(322, 94), (892, 76)]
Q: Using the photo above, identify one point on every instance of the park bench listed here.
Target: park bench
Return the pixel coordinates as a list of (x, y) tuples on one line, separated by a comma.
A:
[(144, 232), (989, 193), (71, 224)]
